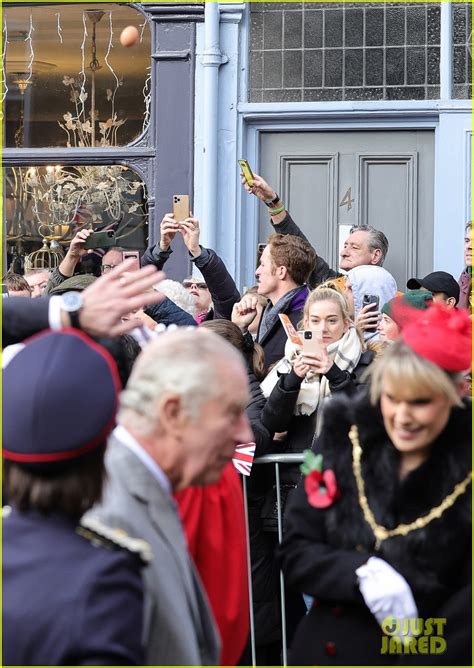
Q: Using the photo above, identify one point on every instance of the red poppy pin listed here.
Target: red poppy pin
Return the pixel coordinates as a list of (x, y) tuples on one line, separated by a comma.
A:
[(320, 486)]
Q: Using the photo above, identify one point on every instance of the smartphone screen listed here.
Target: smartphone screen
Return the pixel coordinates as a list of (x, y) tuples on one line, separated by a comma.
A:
[(135, 255), (246, 171)]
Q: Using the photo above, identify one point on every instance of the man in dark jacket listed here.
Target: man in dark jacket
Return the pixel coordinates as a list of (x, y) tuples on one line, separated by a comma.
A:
[(285, 266)]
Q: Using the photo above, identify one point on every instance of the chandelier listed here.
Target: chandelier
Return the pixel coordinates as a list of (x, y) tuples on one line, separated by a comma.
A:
[(61, 197)]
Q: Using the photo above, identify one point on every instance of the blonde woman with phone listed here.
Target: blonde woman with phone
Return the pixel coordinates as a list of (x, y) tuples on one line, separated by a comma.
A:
[(331, 359)]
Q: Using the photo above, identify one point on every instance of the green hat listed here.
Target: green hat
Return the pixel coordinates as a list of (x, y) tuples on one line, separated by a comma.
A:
[(419, 299), (77, 283)]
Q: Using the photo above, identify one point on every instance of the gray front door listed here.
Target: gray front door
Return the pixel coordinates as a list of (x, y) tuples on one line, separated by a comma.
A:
[(330, 181)]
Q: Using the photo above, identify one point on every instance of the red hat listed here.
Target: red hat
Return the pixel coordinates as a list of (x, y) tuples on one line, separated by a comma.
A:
[(442, 336)]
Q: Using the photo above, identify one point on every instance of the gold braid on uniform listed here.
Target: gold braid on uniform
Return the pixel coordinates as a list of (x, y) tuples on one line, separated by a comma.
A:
[(381, 533)]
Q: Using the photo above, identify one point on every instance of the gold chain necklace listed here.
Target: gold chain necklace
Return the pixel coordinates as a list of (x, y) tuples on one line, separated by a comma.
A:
[(381, 533)]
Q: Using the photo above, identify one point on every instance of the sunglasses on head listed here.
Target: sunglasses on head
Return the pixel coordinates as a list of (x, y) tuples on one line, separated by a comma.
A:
[(199, 285)]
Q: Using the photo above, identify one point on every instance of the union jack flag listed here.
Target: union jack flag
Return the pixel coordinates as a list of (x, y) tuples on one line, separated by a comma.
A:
[(243, 458)]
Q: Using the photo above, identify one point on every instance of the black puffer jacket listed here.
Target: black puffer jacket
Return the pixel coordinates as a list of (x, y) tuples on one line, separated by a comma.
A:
[(263, 438), (322, 548), (224, 292), (221, 285)]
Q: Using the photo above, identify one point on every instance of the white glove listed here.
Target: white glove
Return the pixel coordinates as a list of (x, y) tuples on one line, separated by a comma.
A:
[(386, 592)]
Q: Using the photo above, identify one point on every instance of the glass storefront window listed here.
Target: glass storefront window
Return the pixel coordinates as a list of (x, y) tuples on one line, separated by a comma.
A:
[(68, 80), (53, 203), (321, 51)]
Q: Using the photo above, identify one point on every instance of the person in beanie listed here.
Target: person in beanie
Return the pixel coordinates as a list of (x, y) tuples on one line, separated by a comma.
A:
[(379, 530), (72, 594), (391, 322)]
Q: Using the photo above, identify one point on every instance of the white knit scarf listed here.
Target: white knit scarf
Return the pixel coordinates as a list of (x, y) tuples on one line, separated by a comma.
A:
[(315, 387)]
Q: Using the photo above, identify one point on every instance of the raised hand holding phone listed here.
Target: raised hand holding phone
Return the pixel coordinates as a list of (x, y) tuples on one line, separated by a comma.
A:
[(181, 208), (247, 173), (189, 228), (260, 188), (368, 317), (314, 354), (168, 229), (77, 248)]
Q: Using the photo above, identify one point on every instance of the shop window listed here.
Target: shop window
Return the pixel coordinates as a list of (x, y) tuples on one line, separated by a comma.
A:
[(44, 207), (68, 80)]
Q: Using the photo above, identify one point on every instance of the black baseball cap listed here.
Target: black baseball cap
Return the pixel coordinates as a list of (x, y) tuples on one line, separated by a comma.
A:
[(437, 281)]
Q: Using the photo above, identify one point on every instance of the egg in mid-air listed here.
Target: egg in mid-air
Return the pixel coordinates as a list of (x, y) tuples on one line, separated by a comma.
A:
[(129, 36)]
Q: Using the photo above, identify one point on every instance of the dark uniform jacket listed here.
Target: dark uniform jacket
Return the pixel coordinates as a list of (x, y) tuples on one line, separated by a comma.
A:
[(322, 548), (65, 600)]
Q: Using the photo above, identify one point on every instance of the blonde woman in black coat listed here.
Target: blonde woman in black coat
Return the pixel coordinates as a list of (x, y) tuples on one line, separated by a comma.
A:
[(380, 536)]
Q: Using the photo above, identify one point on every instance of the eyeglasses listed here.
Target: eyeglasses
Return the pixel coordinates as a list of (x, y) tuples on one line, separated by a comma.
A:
[(108, 267), (189, 284)]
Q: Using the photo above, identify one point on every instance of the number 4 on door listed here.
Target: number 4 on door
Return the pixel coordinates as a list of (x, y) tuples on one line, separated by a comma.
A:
[(347, 199)]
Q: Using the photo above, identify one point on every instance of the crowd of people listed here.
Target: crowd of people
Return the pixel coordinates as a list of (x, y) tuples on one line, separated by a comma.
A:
[(126, 540)]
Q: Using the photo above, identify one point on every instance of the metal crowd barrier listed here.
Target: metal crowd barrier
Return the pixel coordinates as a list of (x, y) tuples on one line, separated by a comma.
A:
[(276, 460)]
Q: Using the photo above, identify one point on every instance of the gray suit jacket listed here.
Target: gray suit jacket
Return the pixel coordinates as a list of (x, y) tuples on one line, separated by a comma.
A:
[(179, 629)]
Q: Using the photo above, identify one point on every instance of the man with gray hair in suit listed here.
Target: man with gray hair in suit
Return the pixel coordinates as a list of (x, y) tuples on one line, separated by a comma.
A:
[(180, 418)]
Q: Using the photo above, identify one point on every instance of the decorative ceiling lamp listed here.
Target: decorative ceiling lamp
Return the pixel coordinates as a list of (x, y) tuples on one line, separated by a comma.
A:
[(22, 75)]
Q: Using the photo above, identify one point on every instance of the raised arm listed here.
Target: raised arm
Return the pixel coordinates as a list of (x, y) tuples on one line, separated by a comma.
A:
[(68, 265), (283, 223), (224, 292), (161, 252)]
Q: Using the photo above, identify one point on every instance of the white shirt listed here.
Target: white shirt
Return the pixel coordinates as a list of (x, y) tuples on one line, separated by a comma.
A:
[(54, 312), (126, 439)]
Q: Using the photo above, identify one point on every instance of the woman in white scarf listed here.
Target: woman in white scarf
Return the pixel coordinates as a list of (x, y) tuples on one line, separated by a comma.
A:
[(298, 384)]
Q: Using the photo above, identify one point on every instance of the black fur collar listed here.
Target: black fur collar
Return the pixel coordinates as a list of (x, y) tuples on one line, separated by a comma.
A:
[(433, 555)]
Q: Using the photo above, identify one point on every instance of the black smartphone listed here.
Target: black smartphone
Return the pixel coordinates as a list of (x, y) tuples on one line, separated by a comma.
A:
[(371, 299), (105, 239)]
